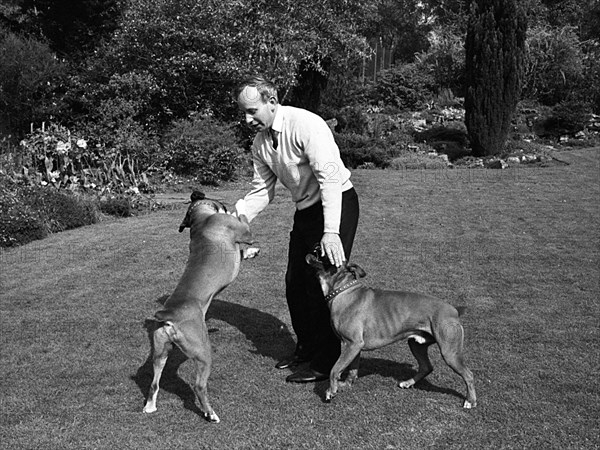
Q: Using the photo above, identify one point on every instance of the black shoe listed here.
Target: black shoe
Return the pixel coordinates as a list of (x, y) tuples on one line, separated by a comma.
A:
[(306, 376), (292, 361)]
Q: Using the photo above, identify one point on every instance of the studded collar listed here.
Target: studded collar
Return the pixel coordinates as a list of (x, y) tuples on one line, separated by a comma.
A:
[(329, 297)]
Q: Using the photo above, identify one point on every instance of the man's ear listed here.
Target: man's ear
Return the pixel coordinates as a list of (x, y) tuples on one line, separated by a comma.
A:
[(356, 270)]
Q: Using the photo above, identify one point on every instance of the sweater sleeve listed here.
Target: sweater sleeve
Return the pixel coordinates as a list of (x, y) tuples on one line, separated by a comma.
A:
[(324, 158), (263, 189)]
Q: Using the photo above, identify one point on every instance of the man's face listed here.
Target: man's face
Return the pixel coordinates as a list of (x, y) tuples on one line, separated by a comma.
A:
[(258, 115)]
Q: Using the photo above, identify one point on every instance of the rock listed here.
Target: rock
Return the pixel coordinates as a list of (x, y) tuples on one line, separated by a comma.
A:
[(528, 158), (513, 160), (496, 164)]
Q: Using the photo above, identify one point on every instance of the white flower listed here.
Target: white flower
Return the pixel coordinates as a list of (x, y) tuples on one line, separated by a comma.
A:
[(63, 147), (82, 143)]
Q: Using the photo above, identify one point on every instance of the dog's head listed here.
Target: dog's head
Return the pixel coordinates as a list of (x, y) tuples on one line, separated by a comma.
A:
[(330, 276), (200, 204)]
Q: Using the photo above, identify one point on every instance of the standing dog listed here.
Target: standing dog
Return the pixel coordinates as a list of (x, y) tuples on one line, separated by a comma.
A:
[(213, 264), (366, 319)]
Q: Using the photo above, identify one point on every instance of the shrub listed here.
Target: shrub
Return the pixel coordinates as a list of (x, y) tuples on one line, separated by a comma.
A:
[(19, 223), (554, 64), (118, 206), (31, 212), (352, 119), (60, 210), (451, 141), (566, 118), (203, 147), (406, 86)]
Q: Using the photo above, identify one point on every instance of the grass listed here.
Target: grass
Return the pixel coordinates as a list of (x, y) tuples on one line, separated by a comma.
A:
[(520, 248)]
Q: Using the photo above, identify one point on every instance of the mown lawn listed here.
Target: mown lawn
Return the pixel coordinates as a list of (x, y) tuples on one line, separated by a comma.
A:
[(519, 247)]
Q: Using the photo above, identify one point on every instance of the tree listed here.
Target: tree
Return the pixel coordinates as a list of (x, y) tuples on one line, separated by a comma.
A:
[(195, 51), (71, 28), (495, 49), (28, 73)]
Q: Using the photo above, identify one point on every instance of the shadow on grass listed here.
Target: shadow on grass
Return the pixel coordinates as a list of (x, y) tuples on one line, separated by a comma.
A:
[(388, 369), (268, 334)]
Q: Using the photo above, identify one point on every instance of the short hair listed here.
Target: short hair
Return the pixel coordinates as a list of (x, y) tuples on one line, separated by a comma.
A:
[(265, 88)]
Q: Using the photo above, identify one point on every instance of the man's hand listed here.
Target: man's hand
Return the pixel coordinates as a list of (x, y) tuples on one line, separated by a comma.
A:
[(240, 208), (331, 245)]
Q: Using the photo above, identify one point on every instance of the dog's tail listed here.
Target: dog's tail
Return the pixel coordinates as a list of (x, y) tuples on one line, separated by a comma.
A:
[(461, 310)]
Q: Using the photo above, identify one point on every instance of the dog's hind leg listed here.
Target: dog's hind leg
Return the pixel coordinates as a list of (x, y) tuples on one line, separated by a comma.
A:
[(419, 351), (161, 346), (451, 347), (196, 346)]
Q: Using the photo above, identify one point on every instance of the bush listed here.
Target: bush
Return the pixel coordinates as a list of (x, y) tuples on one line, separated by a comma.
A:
[(451, 141), (406, 86), (566, 118), (118, 206), (357, 149), (203, 147), (31, 212)]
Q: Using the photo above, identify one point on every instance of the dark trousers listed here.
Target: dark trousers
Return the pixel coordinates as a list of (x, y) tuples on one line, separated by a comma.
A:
[(308, 310)]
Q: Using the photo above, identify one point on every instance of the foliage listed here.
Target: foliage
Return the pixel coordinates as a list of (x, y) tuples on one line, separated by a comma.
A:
[(71, 28), (494, 60), (32, 212), (357, 149), (447, 140), (197, 51), (28, 74), (444, 59), (204, 147), (406, 86), (566, 118), (54, 156), (554, 65)]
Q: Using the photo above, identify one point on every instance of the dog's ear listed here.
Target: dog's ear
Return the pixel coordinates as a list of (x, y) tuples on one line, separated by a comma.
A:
[(186, 221), (311, 259), (197, 195), (356, 270)]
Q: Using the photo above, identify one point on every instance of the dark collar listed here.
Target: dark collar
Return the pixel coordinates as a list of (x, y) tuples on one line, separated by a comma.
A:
[(329, 297)]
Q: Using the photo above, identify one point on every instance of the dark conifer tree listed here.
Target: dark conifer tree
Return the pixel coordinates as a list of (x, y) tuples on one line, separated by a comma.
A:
[(495, 49)]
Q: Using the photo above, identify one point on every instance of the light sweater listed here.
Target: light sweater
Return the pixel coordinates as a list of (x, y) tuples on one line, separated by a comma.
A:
[(306, 161)]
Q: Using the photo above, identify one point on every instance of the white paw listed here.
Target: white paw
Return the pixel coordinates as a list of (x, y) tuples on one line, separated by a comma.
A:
[(212, 417), (406, 384), (251, 252), (328, 395), (468, 405), (149, 409)]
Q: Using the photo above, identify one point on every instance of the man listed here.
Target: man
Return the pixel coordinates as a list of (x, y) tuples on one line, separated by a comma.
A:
[(298, 148)]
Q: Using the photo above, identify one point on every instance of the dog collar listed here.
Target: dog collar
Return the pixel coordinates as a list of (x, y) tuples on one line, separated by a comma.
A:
[(208, 202), (329, 297)]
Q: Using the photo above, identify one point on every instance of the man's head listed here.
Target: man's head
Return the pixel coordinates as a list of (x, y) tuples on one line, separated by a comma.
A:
[(257, 99)]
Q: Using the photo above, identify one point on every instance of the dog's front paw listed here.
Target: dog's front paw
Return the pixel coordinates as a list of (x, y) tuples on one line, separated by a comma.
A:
[(468, 405), (251, 252), (406, 384)]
